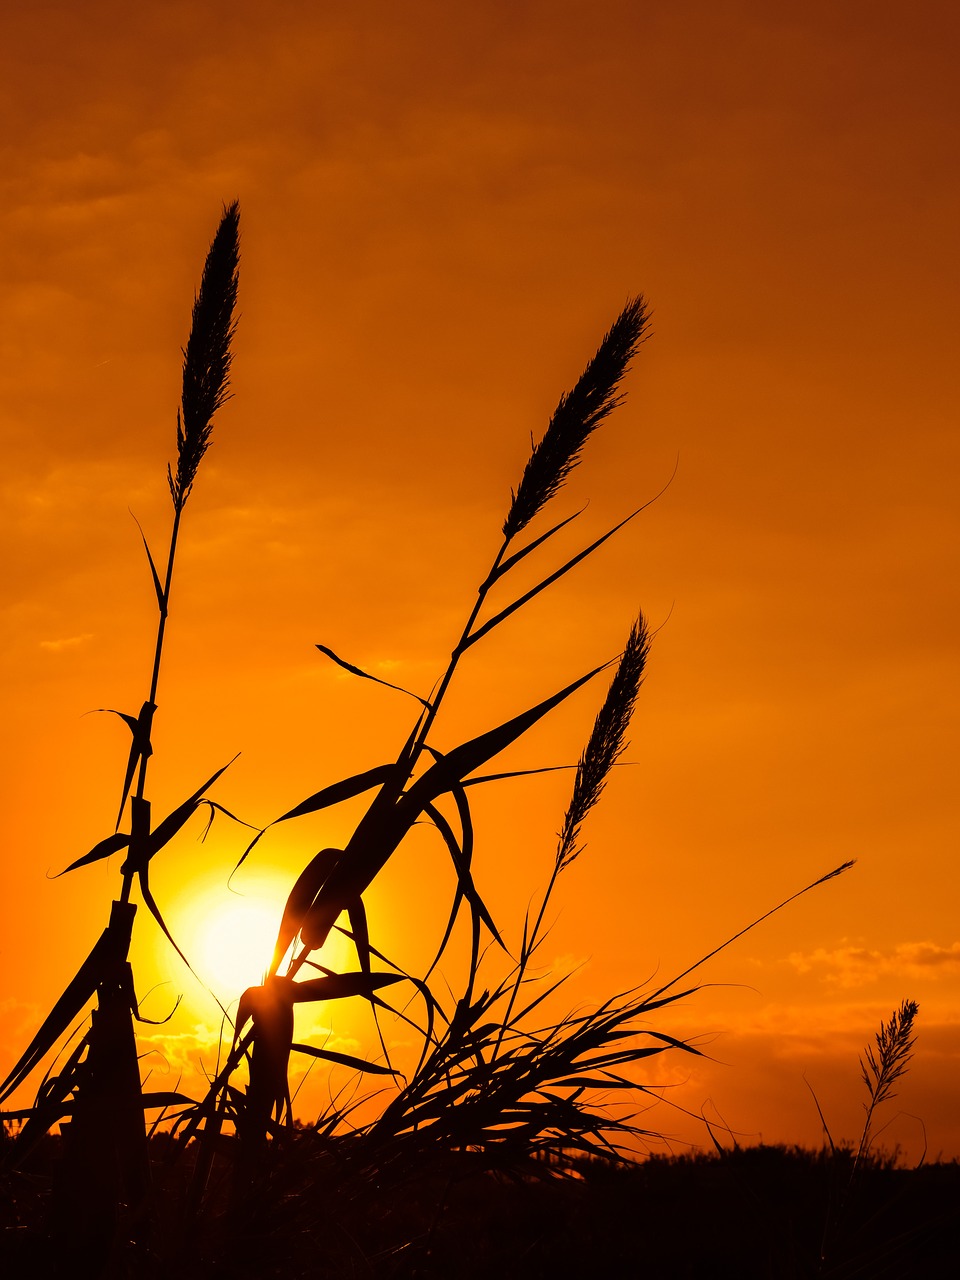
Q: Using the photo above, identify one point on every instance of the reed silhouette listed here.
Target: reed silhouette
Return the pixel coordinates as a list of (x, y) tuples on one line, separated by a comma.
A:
[(497, 1081), (97, 1095)]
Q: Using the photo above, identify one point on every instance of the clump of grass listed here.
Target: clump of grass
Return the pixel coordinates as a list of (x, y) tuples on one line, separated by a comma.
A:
[(494, 1076), (882, 1065), (408, 791)]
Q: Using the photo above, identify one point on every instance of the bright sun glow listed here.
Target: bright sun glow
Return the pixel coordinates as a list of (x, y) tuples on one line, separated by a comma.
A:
[(235, 942), (229, 937)]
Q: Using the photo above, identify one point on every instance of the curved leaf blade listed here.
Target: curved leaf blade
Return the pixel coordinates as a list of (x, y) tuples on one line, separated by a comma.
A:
[(346, 789), (338, 986), (301, 897), (365, 675), (383, 826), (103, 849), (164, 832), (548, 581), (344, 1060)]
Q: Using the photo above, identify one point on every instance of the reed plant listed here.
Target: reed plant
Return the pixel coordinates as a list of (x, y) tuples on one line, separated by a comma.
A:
[(846, 1243), (497, 1078), (417, 786), (96, 1091), (882, 1067)]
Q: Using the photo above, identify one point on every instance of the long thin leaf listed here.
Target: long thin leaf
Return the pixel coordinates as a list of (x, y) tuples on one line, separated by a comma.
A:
[(157, 585), (151, 905), (446, 831), (346, 789), (168, 828), (219, 808), (166, 1098), (140, 748), (357, 915), (300, 899), (548, 581), (515, 773), (384, 825), (465, 885), (339, 791), (365, 675), (463, 760), (78, 991), (344, 1060), (338, 986), (506, 565), (103, 849)]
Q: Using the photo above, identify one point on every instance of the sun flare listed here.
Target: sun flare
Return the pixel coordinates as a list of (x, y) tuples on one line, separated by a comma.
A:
[(229, 937), (234, 944)]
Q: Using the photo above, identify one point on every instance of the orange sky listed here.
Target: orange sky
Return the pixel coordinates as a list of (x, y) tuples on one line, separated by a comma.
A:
[(442, 211)]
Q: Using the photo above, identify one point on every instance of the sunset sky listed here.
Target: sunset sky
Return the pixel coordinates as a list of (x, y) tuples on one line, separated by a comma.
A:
[(443, 208)]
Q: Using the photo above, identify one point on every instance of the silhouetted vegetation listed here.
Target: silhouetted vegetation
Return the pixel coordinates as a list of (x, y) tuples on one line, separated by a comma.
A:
[(753, 1212), (499, 1147)]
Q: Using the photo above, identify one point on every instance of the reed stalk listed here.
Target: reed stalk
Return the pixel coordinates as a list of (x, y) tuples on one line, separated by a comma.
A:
[(105, 1164)]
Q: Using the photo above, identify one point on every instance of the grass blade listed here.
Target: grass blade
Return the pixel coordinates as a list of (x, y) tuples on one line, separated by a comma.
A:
[(164, 832), (386, 823), (339, 986), (344, 1060), (103, 849), (78, 991), (548, 581), (365, 675), (300, 899), (506, 565)]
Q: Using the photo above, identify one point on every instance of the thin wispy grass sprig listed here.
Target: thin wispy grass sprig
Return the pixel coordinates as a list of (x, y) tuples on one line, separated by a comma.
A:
[(578, 414), (607, 741), (207, 356), (882, 1069)]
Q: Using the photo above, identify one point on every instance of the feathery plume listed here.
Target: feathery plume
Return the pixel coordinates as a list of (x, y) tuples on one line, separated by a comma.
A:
[(881, 1070), (607, 741), (579, 413), (884, 1068), (207, 356)]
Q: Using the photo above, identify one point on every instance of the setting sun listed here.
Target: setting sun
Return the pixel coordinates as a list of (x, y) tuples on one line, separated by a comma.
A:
[(234, 942), (228, 936)]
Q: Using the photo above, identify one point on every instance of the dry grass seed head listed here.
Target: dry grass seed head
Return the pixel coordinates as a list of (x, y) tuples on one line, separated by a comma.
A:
[(607, 741), (895, 1040), (207, 356), (578, 414)]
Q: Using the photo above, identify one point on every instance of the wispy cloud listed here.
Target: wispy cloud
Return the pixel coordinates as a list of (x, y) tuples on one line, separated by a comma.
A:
[(68, 642), (857, 966)]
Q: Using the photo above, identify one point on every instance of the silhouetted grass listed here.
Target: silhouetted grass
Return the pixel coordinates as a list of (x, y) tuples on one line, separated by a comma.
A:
[(508, 1103)]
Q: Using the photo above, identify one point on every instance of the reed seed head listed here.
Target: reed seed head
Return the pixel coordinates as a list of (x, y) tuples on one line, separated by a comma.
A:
[(207, 356), (883, 1068), (578, 414), (607, 741)]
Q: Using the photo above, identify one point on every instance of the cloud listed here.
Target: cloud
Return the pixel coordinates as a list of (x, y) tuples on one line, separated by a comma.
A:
[(69, 642), (857, 966)]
